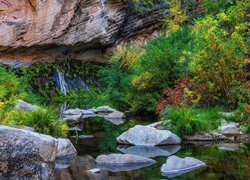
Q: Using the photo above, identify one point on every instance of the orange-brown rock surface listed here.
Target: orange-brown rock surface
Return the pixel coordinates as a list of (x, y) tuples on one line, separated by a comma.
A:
[(39, 30)]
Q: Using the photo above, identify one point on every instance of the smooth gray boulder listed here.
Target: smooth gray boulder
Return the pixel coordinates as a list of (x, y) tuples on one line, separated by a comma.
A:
[(110, 114), (176, 166), (78, 112), (65, 148), (150, 151), (103, 109), (122, 162), (22, 105), (147, 136), (229, 128)]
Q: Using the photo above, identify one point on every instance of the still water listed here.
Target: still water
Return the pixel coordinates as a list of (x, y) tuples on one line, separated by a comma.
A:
[(224, 161)]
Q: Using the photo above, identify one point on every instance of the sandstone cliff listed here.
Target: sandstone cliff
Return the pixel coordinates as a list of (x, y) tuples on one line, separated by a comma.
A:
[(42, 30)]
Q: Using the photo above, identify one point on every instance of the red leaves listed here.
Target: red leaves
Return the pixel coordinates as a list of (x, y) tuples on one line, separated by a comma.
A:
[(174, 96)]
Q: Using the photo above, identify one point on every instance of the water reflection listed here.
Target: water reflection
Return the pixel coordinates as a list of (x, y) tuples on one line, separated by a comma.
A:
[(149, 151), (224, 161)]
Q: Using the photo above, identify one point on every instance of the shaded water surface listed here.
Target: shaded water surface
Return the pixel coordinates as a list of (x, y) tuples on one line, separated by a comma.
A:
[(224, 161)]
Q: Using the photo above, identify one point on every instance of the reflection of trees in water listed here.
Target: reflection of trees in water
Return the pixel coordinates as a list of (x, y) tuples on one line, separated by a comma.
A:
[(108, 142), (221, 164)]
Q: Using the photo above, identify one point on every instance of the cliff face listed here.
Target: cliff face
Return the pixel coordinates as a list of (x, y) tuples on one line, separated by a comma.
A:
[(42, 30)]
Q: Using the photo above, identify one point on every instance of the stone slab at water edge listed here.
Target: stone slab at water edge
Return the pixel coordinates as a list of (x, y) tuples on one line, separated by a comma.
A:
[(29, 155), (148, 136), (114, 116), (176, 166), (122, 162)]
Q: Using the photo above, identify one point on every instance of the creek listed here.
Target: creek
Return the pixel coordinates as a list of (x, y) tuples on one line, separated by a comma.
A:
[(224, 161)]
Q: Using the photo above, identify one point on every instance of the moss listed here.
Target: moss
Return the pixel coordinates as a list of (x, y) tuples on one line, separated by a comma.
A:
[(41, 75)]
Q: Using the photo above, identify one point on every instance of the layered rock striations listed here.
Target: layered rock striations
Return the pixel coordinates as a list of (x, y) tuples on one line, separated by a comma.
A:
[(42, 30)]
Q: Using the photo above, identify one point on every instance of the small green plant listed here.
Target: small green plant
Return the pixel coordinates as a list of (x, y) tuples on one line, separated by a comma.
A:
[(43, 120), (186, 121)]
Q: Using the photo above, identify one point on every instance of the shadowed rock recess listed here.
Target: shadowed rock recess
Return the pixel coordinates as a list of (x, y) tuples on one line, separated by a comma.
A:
[(38, 30)]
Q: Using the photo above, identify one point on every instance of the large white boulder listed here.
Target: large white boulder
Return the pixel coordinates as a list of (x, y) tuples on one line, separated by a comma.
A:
[(176, 166), (148, 136)]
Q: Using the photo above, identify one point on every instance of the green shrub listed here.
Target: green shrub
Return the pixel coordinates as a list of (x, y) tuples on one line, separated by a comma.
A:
[(215, 6), (43, 120), (11, 88), (186, 121), (116, 78), (217, 59), (158, 68)]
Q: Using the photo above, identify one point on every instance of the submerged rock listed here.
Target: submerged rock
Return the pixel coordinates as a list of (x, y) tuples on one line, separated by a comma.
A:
[(122, 162), (148, 136), (83, 137), (176, 166), (150, 151), (22, 105)]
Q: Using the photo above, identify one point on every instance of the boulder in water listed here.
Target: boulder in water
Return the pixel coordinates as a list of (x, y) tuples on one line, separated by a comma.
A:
[(78, 112), (103, 110), (176, 166), (148, 136)]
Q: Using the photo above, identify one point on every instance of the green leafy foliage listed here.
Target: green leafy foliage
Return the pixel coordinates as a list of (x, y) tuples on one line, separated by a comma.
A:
[(186, 121), (44, 121), (217, 59), (158, 68)]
